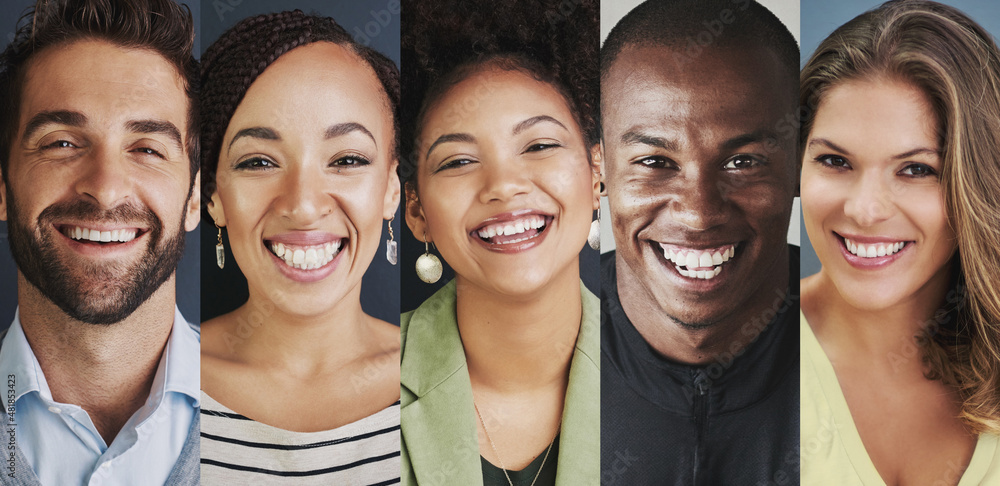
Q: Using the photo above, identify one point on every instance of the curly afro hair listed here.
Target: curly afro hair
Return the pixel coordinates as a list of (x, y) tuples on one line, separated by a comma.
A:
[(233, 62), (556, 41)]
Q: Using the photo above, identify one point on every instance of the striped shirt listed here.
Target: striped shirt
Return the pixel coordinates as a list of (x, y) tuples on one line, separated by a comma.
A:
[(236, 450)]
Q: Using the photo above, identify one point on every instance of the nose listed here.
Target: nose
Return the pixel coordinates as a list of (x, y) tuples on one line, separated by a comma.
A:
[(870, 201), (504, 179), (304, 198), (105, 178), (700, 203)]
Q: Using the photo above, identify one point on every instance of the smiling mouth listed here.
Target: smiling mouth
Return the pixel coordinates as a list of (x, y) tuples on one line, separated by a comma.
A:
[(307, 257), (514, 231), (703, 264), (91, 236), (873, 250)]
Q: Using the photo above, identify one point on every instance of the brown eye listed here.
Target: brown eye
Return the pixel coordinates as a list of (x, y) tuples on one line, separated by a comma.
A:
[(255, 163), (351, 161), (742, 162), (918, 170), (833, 161)]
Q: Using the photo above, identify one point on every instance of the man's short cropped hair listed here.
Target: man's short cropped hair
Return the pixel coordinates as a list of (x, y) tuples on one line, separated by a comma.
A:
[(691, 26)]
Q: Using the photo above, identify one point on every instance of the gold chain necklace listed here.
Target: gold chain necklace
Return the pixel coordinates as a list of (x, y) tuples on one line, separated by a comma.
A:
[(494, 446)]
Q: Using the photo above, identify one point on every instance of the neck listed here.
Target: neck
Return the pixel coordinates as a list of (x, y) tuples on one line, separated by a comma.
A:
[(522, 343), (889, 335), (301, 345), (721, 340), (107, 370)]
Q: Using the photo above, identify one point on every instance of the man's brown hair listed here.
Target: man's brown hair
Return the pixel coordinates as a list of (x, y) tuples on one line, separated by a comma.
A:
[(158, 25)]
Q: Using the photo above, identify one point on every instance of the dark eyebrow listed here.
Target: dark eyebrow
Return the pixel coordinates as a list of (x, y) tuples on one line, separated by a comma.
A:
[(62, 117), (530, 122), (341, 129), (916, 151), (156, 127), (451, 137), (637, 137), (262, 133), (829, 144), (747, 139)]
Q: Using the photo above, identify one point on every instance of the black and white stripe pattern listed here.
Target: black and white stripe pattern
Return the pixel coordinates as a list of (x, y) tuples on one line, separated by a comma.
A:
[(236, 450)]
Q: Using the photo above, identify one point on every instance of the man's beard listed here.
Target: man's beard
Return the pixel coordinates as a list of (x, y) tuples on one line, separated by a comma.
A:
[(103, 293)]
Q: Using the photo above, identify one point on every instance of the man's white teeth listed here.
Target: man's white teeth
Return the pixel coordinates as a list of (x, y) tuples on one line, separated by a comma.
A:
[(512, 228), (306, 257), (874, 250), (87, 234), (705, 274), (686, 260)]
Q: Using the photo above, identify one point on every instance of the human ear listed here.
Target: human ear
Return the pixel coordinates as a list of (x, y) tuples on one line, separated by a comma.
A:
[(597, 169), (215, 209), (415, 218), (391, 200), (193, 208)]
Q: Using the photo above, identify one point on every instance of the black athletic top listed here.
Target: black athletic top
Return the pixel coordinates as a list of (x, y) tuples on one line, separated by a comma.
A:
[(734, 421)]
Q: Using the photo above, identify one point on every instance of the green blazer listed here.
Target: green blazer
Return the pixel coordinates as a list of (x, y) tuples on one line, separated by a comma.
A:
[(439, 426)]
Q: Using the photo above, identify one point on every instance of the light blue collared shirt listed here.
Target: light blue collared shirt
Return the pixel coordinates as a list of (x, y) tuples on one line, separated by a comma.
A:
[(61, 443)]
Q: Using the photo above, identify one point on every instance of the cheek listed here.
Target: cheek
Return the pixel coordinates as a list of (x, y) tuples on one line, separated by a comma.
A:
[(244, 206), (765, 205), (925, 207), (441, 201), (820, 198), (570, 181)]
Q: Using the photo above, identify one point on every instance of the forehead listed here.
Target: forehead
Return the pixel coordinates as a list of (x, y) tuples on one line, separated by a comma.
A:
[(495, 96), (877, 115), (311, 87), (107, 83), (652, 85)]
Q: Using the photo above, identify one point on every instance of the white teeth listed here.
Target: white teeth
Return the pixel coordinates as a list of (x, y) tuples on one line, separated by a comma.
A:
[(875, 250), (87, 234), (512, 228), (708, 261), (306, 258), (705, 260), (691, 261), (702, 274)]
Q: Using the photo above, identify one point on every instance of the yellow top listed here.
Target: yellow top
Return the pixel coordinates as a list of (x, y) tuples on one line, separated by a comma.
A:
[(831, 448)]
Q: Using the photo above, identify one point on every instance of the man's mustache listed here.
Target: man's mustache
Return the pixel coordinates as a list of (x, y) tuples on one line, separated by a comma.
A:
[(85, 211)]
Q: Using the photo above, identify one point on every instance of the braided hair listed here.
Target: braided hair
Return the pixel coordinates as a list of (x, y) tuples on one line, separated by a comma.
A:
[(444, 42), (233, 62)]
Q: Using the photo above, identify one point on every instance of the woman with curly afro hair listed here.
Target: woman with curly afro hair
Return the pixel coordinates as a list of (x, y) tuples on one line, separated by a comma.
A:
[(500, 368)]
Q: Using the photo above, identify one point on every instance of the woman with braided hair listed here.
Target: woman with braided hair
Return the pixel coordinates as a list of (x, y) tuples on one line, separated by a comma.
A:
[(299, 168), (500, 368)]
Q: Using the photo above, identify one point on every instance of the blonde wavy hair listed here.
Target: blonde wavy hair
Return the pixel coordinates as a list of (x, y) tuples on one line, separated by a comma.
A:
[(956, 63)]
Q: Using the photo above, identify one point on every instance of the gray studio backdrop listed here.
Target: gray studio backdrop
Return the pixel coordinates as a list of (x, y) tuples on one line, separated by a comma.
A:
[(821, 17), (189, 270), (374, 23)]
